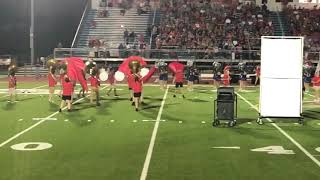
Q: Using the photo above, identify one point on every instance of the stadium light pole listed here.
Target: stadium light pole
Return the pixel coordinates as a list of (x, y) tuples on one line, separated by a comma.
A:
[(32, 33)]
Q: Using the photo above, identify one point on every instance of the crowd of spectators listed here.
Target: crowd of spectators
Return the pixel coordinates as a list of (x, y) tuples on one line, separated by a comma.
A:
[(305, 22), (211, 25)]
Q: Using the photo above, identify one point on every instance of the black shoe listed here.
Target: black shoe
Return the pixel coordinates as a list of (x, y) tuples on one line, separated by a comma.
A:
[(143, 103), (130, 99), (108, 94), (98, 104), (137, 109), (174, 95), (116, 95), (60, 110), (132, 104), (183, 96), (69, 110)]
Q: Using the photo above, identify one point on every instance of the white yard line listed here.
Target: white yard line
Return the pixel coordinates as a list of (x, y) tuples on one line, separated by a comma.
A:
[(307, 153), (307, 93), (36, 124), (31, 88), (225, 147), (146, 164)]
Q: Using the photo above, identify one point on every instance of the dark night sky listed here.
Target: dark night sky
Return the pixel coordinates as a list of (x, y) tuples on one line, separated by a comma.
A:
[(55, 21)]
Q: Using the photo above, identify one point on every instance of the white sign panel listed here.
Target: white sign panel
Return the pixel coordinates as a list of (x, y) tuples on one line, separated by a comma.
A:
[(281, 76)]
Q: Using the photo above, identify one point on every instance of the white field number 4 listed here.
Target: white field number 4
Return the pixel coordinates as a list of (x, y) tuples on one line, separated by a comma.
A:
[(273, 150)]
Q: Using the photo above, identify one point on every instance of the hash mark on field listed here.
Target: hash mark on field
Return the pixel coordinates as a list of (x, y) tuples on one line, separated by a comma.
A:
[(134, 121), (203, 122), (152, 120), (20, 120), (112, 120), (66, 120), (225, 147), (249, 122), (180, 122)]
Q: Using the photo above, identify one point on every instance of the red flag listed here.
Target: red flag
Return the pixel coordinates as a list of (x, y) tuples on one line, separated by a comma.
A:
[(75, 71), (176, 66), (124, 67)]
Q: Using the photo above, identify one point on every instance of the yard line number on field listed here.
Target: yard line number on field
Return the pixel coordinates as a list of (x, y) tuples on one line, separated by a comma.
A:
[(36, 124), (307, 153)]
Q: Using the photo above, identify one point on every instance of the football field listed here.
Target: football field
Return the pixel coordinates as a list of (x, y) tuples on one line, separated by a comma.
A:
[(168, 139)]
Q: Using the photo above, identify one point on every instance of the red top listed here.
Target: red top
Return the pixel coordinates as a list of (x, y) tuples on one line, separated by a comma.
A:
[(226, 78), (51, 79), (136, 83), (67, 88), (94, 81), (316, 81), (12, 81), (258, 70), (179, 76)]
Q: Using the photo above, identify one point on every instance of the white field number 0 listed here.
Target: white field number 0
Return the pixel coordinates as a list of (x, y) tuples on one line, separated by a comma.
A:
[(273, 150), (31, 146)]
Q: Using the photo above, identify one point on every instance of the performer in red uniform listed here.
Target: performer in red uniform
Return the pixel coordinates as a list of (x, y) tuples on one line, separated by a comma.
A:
[(130, 90), (226, 76), (136, 82), (258, 71), (178, 80), (12, 87), (52, 83), (67, 92), (61, 77), (94, 82), (316, 86)]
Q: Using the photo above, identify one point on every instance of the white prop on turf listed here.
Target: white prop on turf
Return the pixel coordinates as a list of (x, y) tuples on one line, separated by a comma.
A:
[(119, 76), (144, 72), (103, 76)]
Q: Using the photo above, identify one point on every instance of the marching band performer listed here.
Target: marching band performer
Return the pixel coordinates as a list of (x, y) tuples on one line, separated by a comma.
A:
[(94, 82), (67, 92), (242, 76), (12, 84), (226, 76), (307, 68), (217, 74), (136, 81), (163, 75), (316, 86), (258, 72), (111, 80), (52, 83), (178, 81)]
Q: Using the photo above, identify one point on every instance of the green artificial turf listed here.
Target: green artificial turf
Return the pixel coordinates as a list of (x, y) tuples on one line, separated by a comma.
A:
[(111, 141)]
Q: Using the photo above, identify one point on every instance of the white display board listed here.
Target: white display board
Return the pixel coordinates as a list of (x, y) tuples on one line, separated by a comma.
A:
[(281, 76)]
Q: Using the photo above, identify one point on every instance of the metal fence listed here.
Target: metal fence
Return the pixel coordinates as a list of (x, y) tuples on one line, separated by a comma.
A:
[(170, 54)]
